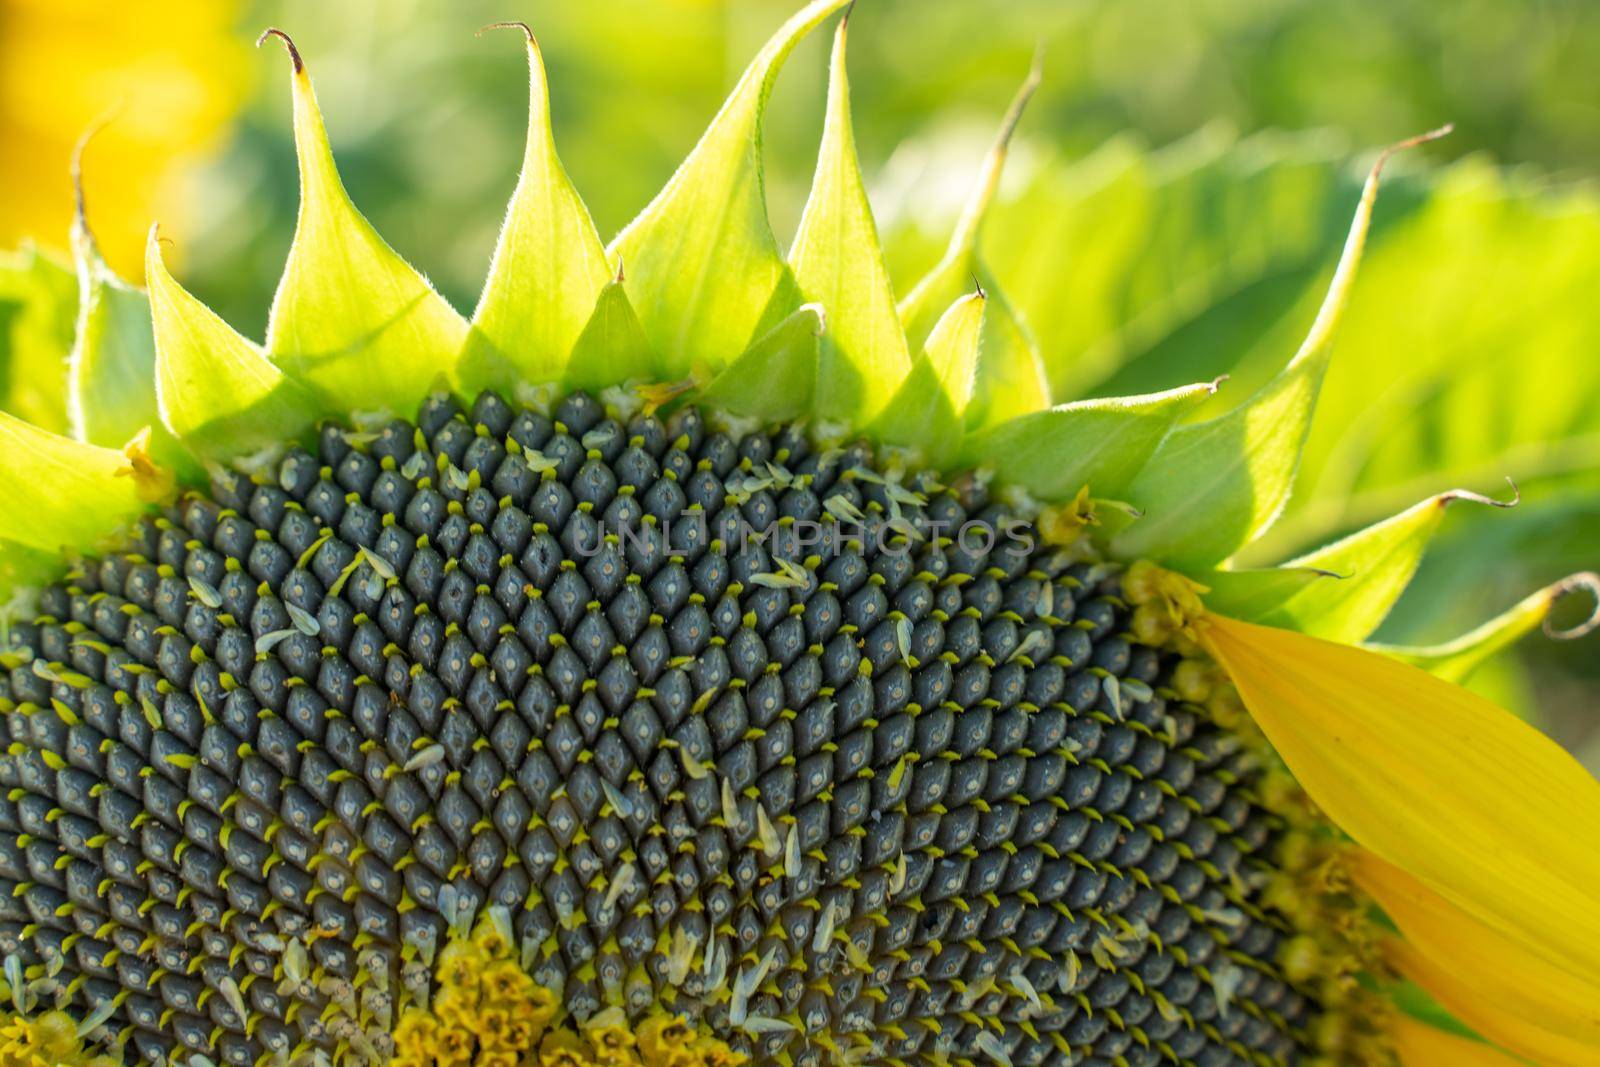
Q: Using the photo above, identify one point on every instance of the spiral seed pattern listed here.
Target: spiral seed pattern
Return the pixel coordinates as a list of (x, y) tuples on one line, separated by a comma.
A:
[(875, 798)]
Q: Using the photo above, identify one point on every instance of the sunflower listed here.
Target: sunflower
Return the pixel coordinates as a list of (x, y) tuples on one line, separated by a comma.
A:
[(697, 657)]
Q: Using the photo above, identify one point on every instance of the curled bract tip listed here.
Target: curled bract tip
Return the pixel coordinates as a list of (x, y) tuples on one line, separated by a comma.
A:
[(1444, 499), (80, 212), (821, 313), (1584, 581), (1411, 142), (512, 25), (155, 240), (288, 44)]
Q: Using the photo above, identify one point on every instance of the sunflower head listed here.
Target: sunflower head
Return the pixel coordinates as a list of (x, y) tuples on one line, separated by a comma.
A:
[(699, 656)]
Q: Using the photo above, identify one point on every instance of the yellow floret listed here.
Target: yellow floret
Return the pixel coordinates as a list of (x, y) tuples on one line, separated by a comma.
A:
[(47, 1040), (486, 1011)]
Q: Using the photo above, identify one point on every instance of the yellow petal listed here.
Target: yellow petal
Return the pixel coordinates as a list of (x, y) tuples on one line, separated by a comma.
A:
[(1504, 976), (154, 483), (1475, 803), (1458, 990), (1420, 1045)]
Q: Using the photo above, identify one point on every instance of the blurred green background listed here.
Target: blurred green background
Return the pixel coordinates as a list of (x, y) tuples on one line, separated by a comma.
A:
[(1176, 199)]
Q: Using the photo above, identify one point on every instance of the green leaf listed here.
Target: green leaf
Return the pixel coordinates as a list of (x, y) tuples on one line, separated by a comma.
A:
[(702, 262), (112, 388), (1254, 595), (1010, 379), (60, 492), (351, 319), (1102, 444), (612, 349), (775, 377), (1455, 660), (38, 313), (217, 392), (925, 412), (838, 262), (548, 269), (1214, 487)]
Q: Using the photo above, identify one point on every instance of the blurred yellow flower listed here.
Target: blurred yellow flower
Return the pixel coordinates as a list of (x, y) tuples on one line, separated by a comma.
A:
[(168, 72)]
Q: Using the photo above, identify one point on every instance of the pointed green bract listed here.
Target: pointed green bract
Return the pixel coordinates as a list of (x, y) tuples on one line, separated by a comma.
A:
[(1376, 565), (216, 391), (954, 349), (112, 385), (1445, 372), (922, 306), (612, 349), (548, 267), (925, 412), (60, 492), (1214, 487), (775, 378), (111, 391), (838, 261), (1099, 443), (1011, 379), (38, 311), (702, 262), (1255, 594), (351, 318), (1455, 660)]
